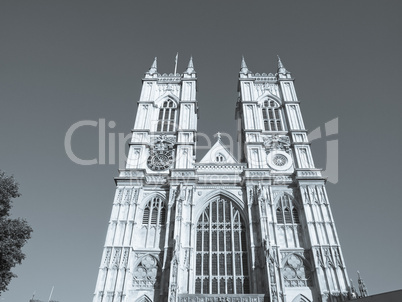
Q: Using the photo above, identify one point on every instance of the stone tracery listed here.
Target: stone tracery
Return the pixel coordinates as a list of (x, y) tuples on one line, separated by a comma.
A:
[(146, 272)]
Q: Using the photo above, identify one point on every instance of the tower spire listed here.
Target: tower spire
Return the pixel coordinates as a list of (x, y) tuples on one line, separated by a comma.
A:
[(175, 63), (190, 67), (362, 286), (281, 68), (154, 67), (352, 293), (243, 67)]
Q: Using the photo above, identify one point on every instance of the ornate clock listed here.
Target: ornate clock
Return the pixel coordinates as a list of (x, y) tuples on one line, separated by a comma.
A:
[(159, 161), (161, 155)]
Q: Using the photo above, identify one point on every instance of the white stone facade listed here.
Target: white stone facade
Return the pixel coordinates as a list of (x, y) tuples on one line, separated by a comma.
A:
[(255, 229)]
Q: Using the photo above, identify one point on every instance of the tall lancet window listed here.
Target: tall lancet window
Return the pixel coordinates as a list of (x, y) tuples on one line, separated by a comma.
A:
[(286, 213), (154, 212), (272, 116), (221, 251), (289, 227), (167, 116), (153, 227)]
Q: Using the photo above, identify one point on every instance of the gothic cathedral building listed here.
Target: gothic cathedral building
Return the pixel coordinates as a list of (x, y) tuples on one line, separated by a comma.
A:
[(254, 228)]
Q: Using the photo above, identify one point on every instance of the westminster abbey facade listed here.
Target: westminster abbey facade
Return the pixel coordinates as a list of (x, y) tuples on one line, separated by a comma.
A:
[(254, 228)]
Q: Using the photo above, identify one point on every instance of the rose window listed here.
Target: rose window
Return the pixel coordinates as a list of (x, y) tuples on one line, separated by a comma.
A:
[(280, 160)]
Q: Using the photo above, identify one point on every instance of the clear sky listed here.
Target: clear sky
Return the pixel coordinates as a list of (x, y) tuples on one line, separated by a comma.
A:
[(63, 62)]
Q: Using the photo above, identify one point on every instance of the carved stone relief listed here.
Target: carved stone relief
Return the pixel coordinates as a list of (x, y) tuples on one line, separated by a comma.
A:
[(276, 142), (107, 257), (119, 195), (116, 258), (145, 274), (124, 260), (295, 272)]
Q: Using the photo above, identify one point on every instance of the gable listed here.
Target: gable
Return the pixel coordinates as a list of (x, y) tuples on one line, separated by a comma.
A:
[(218, 154)]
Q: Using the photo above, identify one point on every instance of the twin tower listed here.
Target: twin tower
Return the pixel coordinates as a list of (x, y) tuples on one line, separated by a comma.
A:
[(256, 228)]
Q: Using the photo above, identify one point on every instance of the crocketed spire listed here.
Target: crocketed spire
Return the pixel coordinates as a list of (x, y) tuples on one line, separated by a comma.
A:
[(190, 67), (281, 68), (153, 68), (243, 66)]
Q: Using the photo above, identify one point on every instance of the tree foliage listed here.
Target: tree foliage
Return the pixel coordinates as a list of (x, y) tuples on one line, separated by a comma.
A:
[(14, 233)]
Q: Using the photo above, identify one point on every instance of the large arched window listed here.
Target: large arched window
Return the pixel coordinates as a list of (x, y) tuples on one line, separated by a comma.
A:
[(221, 251), (272, 116), (154, 212), (167, 116)]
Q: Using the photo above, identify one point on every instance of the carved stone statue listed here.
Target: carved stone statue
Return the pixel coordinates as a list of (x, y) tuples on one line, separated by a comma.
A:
[(262, 193), (180, 192)]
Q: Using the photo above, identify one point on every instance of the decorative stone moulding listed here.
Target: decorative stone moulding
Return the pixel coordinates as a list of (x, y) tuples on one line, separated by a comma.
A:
[(257, 173), (219, 298), (282, 180), (156, 179), (219, 179), (127, 173), (178, 173), (308, 173), (169, 78), (236, 167)]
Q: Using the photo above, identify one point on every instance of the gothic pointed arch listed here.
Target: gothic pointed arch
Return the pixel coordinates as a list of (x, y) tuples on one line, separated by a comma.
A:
[(167, 95), (221, 265), (154, 213), (289, 217), (143, 298), (203, 203), (271, 110), (272, 116), (267, 95), (301, 298), (149, 197), (167, 115), (287, 209), (152, 221)]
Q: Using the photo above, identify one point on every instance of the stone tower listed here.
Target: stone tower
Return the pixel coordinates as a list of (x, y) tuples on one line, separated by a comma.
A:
[(257, 228)]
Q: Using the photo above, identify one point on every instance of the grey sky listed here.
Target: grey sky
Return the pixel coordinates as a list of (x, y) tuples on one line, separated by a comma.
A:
[(62, 62)]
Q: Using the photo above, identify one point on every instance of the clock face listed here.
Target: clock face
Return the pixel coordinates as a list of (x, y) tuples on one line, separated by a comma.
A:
[(160, 154), (160, 160)]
